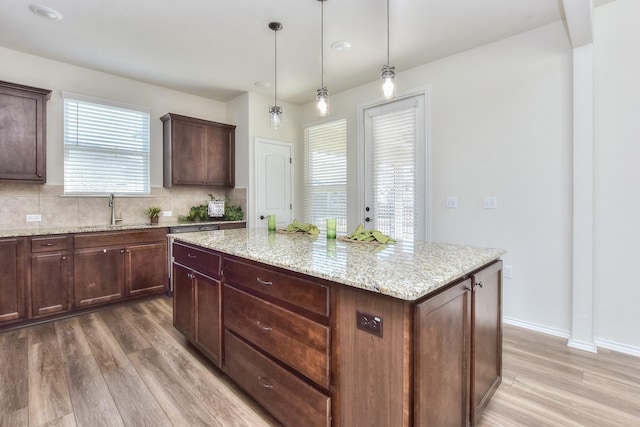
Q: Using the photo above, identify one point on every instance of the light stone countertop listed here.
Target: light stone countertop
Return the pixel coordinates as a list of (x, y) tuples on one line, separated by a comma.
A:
[(407, 270), (73, 229)]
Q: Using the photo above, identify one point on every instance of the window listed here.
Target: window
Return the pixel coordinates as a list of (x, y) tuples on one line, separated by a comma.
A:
[(106, 147), (395, 168), (325, 174)]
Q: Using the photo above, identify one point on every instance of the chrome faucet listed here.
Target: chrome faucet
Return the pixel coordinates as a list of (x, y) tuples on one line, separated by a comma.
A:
[(112, 205)]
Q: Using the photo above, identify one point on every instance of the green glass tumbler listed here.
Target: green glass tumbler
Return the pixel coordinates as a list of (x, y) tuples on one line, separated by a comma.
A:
[(271, 222), (331, 228)]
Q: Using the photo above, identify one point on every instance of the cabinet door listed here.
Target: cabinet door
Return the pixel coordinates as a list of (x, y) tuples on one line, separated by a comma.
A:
[(220, 156), (12, 281), (22, 132), (146, 269), (188, 159), (183, 293), (49, 284), (441, 359), (486, 336), (98, 276), (208, 317)]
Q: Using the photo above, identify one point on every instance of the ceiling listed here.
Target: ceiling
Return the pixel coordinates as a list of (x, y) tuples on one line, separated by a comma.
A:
[(220, 49)]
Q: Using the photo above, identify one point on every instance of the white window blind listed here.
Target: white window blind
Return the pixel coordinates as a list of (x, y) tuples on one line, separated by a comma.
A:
[(394, 173), (106, 148), (325, 174)]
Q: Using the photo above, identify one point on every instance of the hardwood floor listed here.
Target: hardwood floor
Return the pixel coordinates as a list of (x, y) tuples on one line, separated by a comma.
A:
[(122, 366), (546, 383), (128, 366)]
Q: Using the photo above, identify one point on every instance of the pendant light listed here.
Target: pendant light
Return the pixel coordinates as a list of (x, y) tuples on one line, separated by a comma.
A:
[(388, 72), (275, 112), (322, 94)]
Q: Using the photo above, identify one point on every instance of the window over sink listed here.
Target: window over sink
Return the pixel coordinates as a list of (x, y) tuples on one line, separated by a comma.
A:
[(106, 147)]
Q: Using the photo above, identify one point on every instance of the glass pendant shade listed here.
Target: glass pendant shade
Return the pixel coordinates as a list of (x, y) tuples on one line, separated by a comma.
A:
[(322, 104), (275, 117), (388, 86)]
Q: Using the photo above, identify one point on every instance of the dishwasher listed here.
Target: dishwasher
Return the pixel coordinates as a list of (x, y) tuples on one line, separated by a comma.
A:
[(190, 228)]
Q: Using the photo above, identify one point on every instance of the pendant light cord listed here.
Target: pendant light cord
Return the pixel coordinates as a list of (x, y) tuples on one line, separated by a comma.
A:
[(388, 60), (322, 43), (275, 67)]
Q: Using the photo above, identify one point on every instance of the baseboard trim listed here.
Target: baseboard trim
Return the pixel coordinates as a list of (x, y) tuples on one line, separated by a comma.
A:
[(581, 345), (620, 348), (535, 327)]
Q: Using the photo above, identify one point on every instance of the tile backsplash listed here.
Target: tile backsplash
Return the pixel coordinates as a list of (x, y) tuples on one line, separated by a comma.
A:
[(17, 200)]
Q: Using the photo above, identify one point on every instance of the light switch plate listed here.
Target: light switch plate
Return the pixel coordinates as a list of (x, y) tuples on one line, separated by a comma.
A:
[(34, 217), (451, 202), (167, 213), (490, 202)]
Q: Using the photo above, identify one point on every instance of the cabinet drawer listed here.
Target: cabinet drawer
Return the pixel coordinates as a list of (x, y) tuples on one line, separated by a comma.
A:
[(288, 398), (297, 341), (198, 259), (118, 238), (49, 244), (285, 287)]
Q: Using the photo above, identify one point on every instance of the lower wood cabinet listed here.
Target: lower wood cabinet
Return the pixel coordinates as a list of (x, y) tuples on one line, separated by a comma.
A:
[(111, 266), (197, 311), (12, 280), (51, 270)]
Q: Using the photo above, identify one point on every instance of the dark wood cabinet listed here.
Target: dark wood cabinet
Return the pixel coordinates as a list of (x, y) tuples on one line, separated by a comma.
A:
[(114, 265), (12, 280), (197, 299), (486, 337), (23, 124), (198, 152), (442, 351), (51, 267)]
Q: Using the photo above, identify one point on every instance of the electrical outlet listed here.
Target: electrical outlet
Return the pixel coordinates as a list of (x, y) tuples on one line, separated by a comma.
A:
[(490, 202), (34, 217), (167, 213), (369, 323), (507, 272), (451, 202)]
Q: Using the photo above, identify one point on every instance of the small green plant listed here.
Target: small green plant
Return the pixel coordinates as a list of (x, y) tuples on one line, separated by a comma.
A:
[(232, 212), (153, 212)]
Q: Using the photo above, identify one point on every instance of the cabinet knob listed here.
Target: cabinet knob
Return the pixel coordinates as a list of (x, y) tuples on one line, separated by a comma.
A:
[(480, 284), (468, 289), (264, 282), (264, 382), (64, 257), (39, 175), (121, 251), (104, 251), (263, 327)]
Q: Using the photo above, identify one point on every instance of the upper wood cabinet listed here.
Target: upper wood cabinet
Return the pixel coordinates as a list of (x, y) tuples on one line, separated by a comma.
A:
[(198, 152), (23, 124)]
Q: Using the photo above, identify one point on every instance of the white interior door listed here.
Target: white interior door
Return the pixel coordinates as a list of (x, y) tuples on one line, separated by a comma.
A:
[(273, 182)]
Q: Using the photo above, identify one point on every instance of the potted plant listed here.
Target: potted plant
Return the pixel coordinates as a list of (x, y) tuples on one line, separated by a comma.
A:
[(153, 213)]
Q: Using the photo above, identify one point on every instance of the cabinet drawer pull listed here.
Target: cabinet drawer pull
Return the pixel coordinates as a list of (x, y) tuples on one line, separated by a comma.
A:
[(264, 282), (46, 244), (263, 327), (264, 383), (480, 284), (191, 256), (466, 288)]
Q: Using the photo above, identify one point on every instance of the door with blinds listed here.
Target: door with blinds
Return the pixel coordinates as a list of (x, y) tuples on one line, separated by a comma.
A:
[(395, 168)]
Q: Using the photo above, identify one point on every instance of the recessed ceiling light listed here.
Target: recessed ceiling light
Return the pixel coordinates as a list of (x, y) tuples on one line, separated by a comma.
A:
[(341, 45), (262, 84), (45, 12)]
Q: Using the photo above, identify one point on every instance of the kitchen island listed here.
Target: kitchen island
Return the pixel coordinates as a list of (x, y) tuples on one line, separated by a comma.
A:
[(330, 332)]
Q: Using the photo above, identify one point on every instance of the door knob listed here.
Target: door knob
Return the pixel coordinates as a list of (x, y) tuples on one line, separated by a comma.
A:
[(367, 209), (367, 219), (261, 216)]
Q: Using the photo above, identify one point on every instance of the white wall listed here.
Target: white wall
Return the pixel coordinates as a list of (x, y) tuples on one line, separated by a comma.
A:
[(617, 174), (499, 125), (35, 71)]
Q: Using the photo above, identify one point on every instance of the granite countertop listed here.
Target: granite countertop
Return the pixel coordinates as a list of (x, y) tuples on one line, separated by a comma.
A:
[(407, 270), (72, 229)]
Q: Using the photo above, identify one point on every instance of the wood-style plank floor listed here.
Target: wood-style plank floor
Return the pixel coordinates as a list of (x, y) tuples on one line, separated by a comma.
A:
[(128, 366)]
